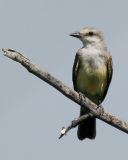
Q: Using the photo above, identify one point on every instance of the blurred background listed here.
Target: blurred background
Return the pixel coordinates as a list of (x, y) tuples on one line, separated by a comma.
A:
[(32, 112)]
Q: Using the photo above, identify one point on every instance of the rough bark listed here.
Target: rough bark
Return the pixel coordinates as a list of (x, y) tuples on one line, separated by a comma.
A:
[(97, 111)]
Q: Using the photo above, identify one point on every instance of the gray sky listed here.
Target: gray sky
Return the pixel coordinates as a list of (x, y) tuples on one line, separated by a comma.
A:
[(32, 112)]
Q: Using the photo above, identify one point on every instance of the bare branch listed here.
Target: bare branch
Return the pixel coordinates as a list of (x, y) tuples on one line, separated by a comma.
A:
[(97, 111), (73, 124)]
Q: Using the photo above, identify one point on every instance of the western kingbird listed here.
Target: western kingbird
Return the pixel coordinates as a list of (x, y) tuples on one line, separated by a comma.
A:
[(92, 74)]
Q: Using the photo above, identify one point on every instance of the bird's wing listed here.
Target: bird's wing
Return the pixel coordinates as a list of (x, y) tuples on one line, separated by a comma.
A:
[(109, 65), (75, 71)]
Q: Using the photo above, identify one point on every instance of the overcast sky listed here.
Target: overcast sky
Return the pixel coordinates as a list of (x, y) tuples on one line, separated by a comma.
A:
[(32, 112)]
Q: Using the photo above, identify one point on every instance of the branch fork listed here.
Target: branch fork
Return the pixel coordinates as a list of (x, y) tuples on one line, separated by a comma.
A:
[(95, 110)]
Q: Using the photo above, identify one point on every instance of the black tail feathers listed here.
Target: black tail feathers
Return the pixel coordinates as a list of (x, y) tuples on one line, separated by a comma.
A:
[(87, 129)]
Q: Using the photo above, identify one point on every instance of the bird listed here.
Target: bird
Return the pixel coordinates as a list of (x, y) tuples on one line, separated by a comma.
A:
[(91, 74)]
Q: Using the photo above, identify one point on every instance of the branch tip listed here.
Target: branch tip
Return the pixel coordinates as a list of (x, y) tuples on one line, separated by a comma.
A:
[(63, 132)]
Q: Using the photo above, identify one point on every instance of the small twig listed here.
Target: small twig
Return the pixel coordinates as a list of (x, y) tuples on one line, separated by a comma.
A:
[(73, 124), (97, 111)]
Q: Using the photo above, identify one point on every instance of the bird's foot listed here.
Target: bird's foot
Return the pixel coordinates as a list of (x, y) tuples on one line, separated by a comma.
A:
[(81, 96)]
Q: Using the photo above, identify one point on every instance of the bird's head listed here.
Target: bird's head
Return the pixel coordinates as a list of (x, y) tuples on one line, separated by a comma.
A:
[(89, 35)]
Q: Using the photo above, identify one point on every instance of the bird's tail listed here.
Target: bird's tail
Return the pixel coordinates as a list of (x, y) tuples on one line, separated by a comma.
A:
[(87, 129)]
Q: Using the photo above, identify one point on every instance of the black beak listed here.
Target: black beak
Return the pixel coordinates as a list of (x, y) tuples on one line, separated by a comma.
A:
[(76, 34)]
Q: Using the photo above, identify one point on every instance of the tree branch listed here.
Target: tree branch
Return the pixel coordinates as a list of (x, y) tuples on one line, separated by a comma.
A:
[(73, 124), (97, 111)]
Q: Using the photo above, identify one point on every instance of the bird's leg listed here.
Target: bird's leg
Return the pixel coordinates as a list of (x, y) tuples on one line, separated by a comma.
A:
[(81, 96)]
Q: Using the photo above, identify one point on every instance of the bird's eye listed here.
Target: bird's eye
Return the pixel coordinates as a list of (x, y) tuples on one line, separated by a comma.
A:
[(90, 34)]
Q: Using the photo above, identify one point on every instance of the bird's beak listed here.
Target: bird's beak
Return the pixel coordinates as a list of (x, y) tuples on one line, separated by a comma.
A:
[(75, 34)]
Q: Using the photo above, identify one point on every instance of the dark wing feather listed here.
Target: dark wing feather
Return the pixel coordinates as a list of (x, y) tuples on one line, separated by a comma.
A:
[(75, 71), (109, 65)]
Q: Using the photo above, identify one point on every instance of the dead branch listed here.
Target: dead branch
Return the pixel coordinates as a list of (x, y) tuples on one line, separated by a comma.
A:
[(83, 101), (73, 124)]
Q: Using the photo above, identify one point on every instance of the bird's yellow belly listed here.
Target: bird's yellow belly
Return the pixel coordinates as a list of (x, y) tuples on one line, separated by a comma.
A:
[(92, 81)]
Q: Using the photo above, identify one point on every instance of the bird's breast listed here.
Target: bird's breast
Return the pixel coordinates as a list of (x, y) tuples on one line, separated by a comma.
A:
[(91, 77)]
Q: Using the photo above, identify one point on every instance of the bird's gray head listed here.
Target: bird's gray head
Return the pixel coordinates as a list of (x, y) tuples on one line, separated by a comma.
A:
[(89, 36)]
